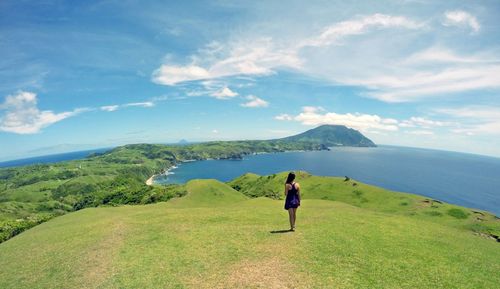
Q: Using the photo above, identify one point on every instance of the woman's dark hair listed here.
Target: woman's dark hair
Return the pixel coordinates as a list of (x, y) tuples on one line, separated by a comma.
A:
[(290, 178)]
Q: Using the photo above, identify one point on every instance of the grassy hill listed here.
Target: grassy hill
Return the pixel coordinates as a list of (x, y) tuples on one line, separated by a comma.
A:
[(348, 236), (206, 193)]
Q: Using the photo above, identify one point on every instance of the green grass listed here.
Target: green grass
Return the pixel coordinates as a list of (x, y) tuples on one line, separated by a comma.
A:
[(370, 197), (184, 243), (205, 193)]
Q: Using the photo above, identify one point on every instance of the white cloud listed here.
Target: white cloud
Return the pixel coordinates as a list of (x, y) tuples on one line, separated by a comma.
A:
[(254, 101), (215, 131), (430, 73), (475, 120), (145, 104), (334, 33), (22, 115), (141, 104), (423, 122), (439, 55), (477, 112), (224, 93), (253, 57), (283, 116), (172, 74), (420, 132), (109, 107), (461, 18)]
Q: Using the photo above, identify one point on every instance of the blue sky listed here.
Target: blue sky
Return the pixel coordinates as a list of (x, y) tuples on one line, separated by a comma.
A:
[(85, 74)]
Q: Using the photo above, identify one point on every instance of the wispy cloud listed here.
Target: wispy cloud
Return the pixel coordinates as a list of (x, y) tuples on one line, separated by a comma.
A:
[(335, 33), (22, 115), (423, 123), (420, 132), (474, 120), (141, 104), (116, 107), (432, 72), (283, 116), (252, 57), (461, 18), (109, 107), (254, 101)]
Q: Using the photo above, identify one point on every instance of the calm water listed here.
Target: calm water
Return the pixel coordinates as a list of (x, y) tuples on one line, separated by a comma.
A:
[(52, 158), (464, 179)]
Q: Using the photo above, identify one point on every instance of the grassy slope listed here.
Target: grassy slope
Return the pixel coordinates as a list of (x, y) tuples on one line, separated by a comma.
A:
[(206, 193), (185, 244), (373, 198)]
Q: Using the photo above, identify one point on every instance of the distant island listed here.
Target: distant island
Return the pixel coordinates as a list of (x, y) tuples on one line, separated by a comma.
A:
[(331, 136)]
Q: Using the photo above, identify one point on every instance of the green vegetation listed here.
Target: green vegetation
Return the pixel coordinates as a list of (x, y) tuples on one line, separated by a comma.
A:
[(333, 135), (38, 192), (348, 236), (457, 213)]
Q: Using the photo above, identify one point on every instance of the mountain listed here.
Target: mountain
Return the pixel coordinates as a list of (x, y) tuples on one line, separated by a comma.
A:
[(332, 135)]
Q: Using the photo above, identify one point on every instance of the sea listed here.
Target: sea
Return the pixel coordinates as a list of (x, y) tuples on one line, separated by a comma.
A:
[(463, 179), (54, 158)]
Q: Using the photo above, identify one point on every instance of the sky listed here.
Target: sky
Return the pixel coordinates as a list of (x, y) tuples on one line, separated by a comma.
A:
[(79, 75)]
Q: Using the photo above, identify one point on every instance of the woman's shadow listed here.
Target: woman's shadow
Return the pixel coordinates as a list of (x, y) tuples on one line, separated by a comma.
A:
[(280, 231)]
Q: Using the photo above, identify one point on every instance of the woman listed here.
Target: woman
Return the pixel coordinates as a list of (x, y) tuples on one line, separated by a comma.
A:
[(292, 200)]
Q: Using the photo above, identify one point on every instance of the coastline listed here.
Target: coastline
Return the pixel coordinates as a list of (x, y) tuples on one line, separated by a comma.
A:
[(149, 181)]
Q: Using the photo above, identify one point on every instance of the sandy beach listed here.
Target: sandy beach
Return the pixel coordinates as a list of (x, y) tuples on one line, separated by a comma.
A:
[(149, 181)]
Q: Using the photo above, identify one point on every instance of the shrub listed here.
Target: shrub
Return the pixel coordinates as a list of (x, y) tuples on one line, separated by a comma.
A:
[(9, 229), (433, 213), (457, 213)]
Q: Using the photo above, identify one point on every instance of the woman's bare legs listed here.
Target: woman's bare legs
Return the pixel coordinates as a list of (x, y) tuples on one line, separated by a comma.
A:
[(294, 213), (292, 216)]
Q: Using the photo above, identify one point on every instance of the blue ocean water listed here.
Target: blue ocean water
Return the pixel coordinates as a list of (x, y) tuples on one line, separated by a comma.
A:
[(463, 179), (52, 158)]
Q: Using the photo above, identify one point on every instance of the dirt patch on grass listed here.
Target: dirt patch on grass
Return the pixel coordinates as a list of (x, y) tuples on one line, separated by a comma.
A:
[(269, 268), (267, 273), (96, 264)]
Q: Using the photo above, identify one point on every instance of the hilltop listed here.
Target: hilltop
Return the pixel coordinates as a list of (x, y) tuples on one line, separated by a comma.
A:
[(349, 235)]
